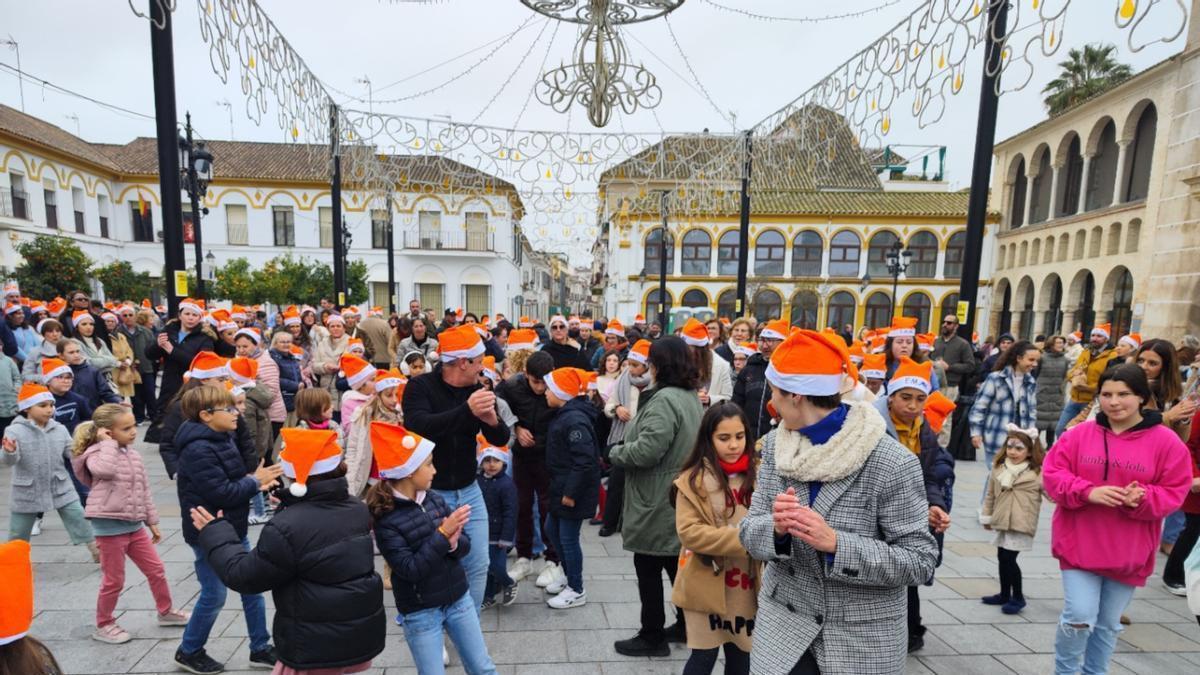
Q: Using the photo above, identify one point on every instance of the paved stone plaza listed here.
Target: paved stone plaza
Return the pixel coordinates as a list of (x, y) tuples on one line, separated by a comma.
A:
[(965, 637)]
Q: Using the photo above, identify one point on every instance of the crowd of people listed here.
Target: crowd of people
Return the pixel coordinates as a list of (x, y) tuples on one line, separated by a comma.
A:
[(793, 486)]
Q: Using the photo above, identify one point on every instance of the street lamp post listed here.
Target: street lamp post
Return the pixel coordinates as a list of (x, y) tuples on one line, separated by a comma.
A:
[(195, 162), (898, 259)]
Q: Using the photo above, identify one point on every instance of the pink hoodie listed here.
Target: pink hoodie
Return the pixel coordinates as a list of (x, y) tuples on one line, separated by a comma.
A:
[(1118, 543)]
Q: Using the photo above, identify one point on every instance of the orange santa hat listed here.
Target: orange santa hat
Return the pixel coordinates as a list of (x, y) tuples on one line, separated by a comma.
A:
[(459, 342), (208, 365), (911, 375), (694, 333), (811, 364), (1104, 329), (1133, 340), (16, 593), (308, 452), (32, 394), (903, 326), (386, 379), (356, 370), (567, 383), (398, 451), (483, 450), (937, 410), (857, 353), (874, 366), (640, 351), (522, 338), (615, 328), (243, 370), (779, 329)]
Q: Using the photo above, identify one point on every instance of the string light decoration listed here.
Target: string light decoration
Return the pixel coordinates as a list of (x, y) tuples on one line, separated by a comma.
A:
[(802, 19), (1132, 15), (617, 12), (164, 7)]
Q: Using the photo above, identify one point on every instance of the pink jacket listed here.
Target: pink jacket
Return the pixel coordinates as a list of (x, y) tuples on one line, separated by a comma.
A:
[(1118, 543), (120, 487), (268, 377), (351, 402)]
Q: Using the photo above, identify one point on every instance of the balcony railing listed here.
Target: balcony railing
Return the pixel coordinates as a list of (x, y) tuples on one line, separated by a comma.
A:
[(14, 204), (437, 240)]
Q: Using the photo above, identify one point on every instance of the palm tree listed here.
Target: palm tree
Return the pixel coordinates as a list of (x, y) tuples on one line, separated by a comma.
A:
[(1083, 75)]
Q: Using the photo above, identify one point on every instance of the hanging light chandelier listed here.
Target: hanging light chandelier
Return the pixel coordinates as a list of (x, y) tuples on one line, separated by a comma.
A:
[(601, 77)]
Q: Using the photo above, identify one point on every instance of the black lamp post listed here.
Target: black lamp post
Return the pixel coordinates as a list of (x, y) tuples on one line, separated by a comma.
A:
[(196, 168), (898, 259)]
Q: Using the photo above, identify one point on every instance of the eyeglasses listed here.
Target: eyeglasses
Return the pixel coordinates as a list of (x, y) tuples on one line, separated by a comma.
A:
[(558, 326), (232, 410)]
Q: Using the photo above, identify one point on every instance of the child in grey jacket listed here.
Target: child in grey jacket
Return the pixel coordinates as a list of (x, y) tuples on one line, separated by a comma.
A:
[(38, 448)]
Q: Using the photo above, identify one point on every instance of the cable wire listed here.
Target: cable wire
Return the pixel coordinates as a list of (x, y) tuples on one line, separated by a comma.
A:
[(708, 97), (520, 64), (802, 19), (63, 90), (537, 77)]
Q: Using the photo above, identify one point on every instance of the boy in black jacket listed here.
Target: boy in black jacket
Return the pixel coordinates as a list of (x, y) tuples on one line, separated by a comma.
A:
[(315, 556), (212, 475), (424, 542), (500, 495)]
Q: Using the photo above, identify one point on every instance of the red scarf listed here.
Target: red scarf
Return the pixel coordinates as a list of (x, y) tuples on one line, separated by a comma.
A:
[(740, 465)]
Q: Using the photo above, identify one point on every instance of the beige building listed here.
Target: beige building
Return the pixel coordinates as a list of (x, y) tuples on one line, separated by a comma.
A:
[(1099, 221)]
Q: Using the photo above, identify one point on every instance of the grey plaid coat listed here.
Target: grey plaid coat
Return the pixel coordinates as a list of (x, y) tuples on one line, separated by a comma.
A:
[(851, 612)]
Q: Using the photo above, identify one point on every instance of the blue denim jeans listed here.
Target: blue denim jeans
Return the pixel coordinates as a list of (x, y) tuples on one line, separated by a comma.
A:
[(1069, 411), (475, 564), (1173, 527), (210, 603), (497, 571), (423, 633), (1095, 602), (564, 535)]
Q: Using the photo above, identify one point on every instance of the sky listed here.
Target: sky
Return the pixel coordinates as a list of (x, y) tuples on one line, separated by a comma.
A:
[(750, 67)]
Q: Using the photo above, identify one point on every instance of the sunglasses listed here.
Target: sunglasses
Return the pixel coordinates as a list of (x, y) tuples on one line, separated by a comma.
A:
[(558, 326)]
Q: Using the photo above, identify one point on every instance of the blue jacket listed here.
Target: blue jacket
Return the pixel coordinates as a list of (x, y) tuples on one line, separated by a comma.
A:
[(92, 385), (937, 465), (70, 409), (289, 377), (28, 341), (996, 405), (212, 474), (425, 572), (500, 495), (7, 339), (573, 460)]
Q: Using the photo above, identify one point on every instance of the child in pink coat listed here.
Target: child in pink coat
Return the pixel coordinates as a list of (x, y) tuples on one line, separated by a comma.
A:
[(121, 510), (1113, 479)]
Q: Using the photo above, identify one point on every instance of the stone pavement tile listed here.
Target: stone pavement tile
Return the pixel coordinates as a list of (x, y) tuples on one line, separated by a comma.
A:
[(1190, 631), (597, 645), (1036, 637), (977, 639), (970, 587), (1042, 611), (607, 565), (1050, 589), (558, 669), (86, 656), (1194, 657), (539, 617), (543, 646), (1158, 664), (624, 615), (971, 548), (971, 610), (915, 667), (644, 668), (1029, 664), (964, 665), (395, 654), (934, 646), (76, 624), (1153, 637), (144, 624), (932, 615), (1176, 606), (450, 670), (233, 652), (938, 590), (237, 623)]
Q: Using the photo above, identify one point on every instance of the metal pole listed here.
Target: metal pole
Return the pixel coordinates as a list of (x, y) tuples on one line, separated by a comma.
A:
[(391, 248), (193, 194), (744, 232), (895, 284), (162, 60), (981, 171), (335, 189), (664, 241)]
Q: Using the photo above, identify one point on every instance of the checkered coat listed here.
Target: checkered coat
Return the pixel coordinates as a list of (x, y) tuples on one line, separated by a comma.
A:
[(850, 612), (996, 405)]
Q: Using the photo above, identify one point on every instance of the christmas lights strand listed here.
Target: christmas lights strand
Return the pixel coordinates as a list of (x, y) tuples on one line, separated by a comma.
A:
[(802, 19), (1131, 15), (165, 7), (537, 76), (687, 62), (508, 80)]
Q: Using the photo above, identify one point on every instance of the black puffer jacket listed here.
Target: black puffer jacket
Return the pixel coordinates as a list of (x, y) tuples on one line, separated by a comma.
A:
[(169, 451), (565, 355), (533, 414), (425, 572), (212, 474), (752, 393), (179, 360), (573, 460), (315, 557)]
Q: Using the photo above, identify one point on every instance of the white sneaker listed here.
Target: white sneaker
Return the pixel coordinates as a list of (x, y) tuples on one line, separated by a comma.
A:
[(549, 573), (520, 569), (445, 656), (556, 587), (37, 528), (567, 599)]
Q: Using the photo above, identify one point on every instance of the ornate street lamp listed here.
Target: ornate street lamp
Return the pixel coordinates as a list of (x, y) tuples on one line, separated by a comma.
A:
[(196, 170), (898, 259)]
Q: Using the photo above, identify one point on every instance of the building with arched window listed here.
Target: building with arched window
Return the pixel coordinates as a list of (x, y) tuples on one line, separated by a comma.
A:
[(1102, 230)]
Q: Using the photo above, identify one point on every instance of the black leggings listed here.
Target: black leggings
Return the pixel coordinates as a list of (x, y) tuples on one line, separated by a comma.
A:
[(1010, 574), (1173, 572), (649, 570), (702, 661), (615, 498)]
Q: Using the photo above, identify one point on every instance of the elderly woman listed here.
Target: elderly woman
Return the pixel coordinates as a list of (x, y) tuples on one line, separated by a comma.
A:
[(657, 442), (841, 519)]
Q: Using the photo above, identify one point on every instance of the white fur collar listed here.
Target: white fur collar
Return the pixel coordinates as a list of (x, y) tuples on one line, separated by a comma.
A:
[(842, 455)]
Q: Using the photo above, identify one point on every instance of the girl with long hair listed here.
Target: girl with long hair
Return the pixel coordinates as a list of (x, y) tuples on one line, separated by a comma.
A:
[(1010, 510)]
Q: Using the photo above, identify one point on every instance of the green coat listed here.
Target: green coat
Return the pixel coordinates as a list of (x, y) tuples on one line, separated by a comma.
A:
[(657, 442)]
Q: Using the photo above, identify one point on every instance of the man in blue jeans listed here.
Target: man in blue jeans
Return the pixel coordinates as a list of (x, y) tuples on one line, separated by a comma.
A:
[(449, 407)]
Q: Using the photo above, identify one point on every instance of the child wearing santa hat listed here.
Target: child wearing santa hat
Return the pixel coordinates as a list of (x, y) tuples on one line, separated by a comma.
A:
[(315, 556), (500, 495), (424, 542)]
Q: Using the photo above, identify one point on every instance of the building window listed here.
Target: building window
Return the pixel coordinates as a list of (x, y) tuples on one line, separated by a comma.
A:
[(1020, 187), (768, 254), (477, 233), (949, 306), (1039, 191), (806, 254), (431, 296), (768, 306), (697, 253), (877, 252), (237, 232), (1102, 170), (142, 219), (879, 310), (102, 208), (841, 309), (728, 250), (653, 252), (379, 228), (285, 225), (1138, 182), (920, 306), (325, 226), (844, 253), (20, 198), (651, 309), (1052, 322), (1071, 180), (430, 226), (77, 207), (477, 299), (51, 197), (804, 310), (924, 249), (727, 304), (380, 296), (956, 250), (694, 298)]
